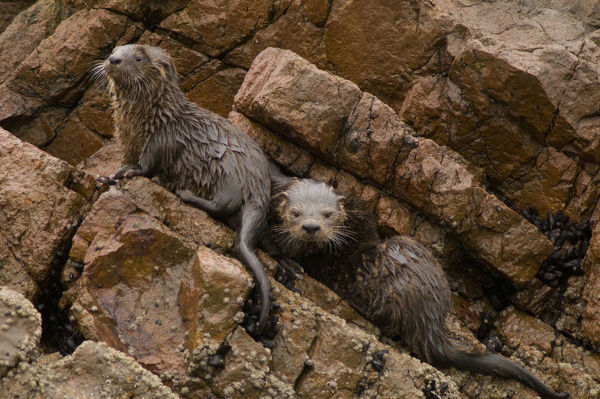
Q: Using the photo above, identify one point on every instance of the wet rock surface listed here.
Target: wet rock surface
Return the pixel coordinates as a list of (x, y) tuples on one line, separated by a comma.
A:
[(94, 370), (20, 331), (450, 126)]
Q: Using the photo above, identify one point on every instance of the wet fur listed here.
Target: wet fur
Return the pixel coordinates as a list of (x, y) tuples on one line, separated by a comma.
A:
[(199, 154), (396, 283)]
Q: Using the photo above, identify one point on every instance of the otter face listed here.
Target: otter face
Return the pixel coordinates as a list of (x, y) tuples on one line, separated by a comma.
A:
[(139, 68), (312, 218)]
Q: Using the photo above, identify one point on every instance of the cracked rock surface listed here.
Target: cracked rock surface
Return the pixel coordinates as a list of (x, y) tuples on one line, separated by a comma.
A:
[(455, 121)]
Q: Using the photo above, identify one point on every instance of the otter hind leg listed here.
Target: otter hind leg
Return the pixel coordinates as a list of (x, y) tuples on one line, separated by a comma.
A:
[(251, 224), (225, 203)]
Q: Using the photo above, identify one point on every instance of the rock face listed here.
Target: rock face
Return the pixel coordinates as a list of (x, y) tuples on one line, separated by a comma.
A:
[(511, 87), (357, 132), (41, 200), (276, 103), (450, 119), (93, 371)]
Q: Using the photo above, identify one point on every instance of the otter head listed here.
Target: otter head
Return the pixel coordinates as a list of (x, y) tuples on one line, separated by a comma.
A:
[(312, 218), (134, 69)]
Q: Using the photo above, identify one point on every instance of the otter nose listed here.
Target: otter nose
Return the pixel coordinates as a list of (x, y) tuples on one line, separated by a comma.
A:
[(311, 228), (114, 60)]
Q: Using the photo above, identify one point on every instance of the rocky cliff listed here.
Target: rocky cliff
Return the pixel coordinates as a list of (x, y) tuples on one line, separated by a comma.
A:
[(472, 126)]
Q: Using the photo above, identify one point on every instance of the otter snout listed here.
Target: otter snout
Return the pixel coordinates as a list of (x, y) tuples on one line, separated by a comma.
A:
[(114, 60), (311, 227)]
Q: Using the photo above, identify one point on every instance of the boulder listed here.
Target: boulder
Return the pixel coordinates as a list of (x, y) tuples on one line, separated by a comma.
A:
[(20, 331), (41, 201), (94, 370)]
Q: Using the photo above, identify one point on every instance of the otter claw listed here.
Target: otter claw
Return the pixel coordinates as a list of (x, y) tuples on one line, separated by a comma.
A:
[(185, 195), (109, 181)]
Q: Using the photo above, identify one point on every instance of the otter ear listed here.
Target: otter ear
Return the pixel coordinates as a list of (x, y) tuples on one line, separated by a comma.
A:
[(167, 69)]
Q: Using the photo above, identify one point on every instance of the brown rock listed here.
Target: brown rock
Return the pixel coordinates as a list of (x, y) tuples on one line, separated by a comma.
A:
[(294, 159), (520, 330), (435, 180), (248, 372), (365, 42), (27, 29), (372, 140), (555, 359), (573, 307), (122, 297), (20, 331), (93, 370), (94, 112), (215, 27), (292, 104), (41, 130), (296, 25), (41, 199), (535, 298), (62, 60), (337, 361), (216, 92), (74, 142), (136, 9), (104, 161), (520, 84)]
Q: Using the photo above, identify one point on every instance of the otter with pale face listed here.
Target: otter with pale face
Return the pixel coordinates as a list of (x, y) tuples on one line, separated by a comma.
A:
[(396, 283), (200, 155), (311, 219)]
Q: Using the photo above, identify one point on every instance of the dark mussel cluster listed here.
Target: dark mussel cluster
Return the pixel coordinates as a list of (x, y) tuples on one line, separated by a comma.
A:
[(58, 332), (251, 314), (432, 391), (570, 241)]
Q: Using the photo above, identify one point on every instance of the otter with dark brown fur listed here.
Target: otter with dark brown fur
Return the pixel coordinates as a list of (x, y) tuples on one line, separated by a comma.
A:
[(198, 154), (396, 283)]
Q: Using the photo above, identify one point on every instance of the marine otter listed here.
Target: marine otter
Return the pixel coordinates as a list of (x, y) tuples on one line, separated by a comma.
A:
[(396, 283), (198, 154)]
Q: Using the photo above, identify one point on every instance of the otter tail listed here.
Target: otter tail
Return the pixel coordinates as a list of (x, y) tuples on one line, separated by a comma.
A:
[(496, 365), (251, 225)]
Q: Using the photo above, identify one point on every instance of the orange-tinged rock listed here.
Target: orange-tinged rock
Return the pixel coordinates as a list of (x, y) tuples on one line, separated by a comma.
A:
[(41, 199)]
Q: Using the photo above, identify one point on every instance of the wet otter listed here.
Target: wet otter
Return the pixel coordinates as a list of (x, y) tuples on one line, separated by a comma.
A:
[(396, 283), (200, 155)]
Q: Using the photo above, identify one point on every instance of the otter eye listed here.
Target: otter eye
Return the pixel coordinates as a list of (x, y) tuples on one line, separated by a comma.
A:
[(138, 59), (295, 214), (327, 215)]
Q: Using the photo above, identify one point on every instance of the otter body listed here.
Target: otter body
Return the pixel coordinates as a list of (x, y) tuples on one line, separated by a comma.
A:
[(200, 155), (396, 283)]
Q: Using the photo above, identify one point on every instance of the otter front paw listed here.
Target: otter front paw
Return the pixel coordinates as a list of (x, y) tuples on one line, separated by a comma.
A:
[(288, 272), (126, 171), (186, 195), (106, 180)]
